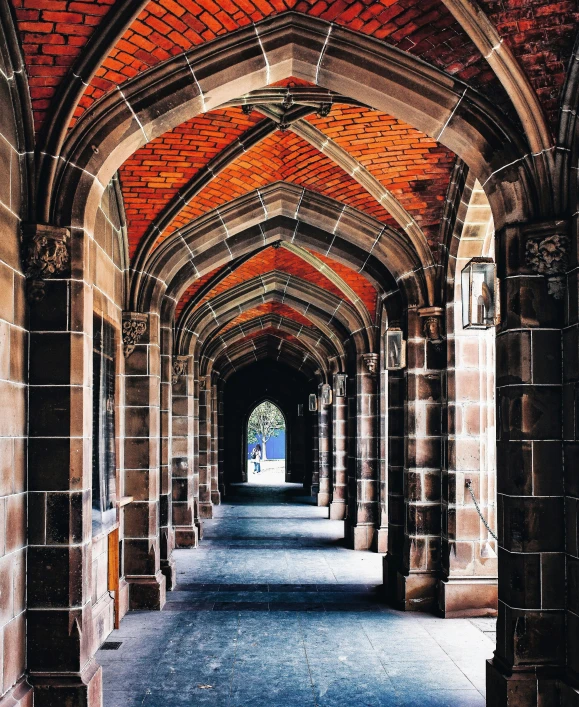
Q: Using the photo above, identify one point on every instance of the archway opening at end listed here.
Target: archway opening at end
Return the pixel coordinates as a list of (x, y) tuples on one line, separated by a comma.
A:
[(266, 445)]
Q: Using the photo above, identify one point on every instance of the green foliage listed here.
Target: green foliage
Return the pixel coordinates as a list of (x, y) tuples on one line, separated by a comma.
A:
[(265, 422)]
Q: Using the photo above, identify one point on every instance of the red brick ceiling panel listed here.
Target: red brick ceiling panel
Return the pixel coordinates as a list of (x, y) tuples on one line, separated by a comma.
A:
[(153, 174), (53, 33), (273, 259), (281, 157), (541, 34), (193, 289), (168, 27), (361, 286), (262, 310), (413, 166)]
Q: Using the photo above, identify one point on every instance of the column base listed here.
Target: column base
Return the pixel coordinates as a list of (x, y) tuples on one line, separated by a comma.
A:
[(20, 695), (170, 573), (186, 537), (215, 498), (81, 690), (382, 540), (103, 620), (527, 689), (147, 593), (323, 500), (413, 592), (314, 490), (337, 510), (464, 597), (359, 537), (124, 590), (206, 510)]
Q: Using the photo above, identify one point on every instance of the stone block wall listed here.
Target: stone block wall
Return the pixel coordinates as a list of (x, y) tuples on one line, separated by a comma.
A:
[(13, 394)]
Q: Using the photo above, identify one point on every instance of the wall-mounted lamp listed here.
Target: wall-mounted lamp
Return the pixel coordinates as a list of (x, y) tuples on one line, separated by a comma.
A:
[(478, 282), (395, 350), (326, 394), (313, 402), (340, 385)]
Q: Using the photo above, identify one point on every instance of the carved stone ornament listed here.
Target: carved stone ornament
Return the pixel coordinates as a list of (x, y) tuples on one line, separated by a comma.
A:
[(134, 326), (45, 253), (179, 368), (371, 361), (432, 323), (549, 255)]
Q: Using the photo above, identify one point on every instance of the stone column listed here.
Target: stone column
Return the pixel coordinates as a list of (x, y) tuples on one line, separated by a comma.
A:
[(205, 504), (221, 438), (340, 457), (416, 580), (182, 480), (167, 535), (394, 560), (59, 619), (315, 486), (362, 518), (142, 556), (531, 649), (324, 447), (213, 441)]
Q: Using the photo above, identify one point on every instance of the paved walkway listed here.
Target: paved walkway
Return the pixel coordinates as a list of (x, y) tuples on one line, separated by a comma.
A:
[(273, 611)]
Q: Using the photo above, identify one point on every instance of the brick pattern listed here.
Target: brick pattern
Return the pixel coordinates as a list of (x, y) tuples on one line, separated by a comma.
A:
[(282, 310), (53, 34), (413, 166), (168, 27), (541, 34), (285, 261), (154, 174), (280, 157)]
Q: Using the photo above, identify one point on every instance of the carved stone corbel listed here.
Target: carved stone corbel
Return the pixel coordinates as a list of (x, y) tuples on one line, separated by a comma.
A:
[(134, 326), (432, 324), (179, 368), (547, 253), (371, 361), (45, 253)]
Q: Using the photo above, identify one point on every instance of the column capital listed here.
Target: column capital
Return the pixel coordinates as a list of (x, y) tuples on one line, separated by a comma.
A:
[(134, 326), (371, 361), (180, 364), (45, 253), (547, 246), (433, 318)]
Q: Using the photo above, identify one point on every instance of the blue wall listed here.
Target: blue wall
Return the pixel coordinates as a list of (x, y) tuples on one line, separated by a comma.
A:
[(275, 447)]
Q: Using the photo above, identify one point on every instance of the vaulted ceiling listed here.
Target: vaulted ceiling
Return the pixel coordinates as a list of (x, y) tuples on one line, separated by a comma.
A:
[(364, 164)]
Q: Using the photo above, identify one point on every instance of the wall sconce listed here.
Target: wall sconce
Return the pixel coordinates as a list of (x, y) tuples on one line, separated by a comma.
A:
[(313, 402), (326, 394), (340, 384), (478, 294), (395, 346)]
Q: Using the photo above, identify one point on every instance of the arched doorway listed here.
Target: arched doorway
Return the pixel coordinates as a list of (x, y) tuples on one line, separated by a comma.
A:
[(266, 433)]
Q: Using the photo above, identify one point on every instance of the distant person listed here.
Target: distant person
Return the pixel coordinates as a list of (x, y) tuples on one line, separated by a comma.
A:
[(256, 457)]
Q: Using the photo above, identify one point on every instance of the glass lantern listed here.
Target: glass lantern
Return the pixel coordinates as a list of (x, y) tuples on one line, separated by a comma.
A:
[(326, 394), (478, 294), (395, 350), (340, 383), (313, 402)]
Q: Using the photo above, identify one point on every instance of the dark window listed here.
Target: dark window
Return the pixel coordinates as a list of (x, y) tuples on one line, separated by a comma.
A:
[(103, 426)]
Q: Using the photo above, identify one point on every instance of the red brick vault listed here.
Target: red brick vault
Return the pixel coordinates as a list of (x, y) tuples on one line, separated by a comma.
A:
[(199, 185)]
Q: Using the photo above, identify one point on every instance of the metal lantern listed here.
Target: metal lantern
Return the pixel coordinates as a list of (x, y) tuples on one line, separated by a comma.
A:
[(326, 394), (395, 350), (313, 402), (478, 294), (340, 383)]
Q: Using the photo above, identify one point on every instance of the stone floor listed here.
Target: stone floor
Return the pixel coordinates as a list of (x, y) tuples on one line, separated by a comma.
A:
[(273, 611)]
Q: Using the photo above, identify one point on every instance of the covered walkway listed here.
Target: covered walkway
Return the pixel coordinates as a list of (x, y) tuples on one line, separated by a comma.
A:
[(273, 610)]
